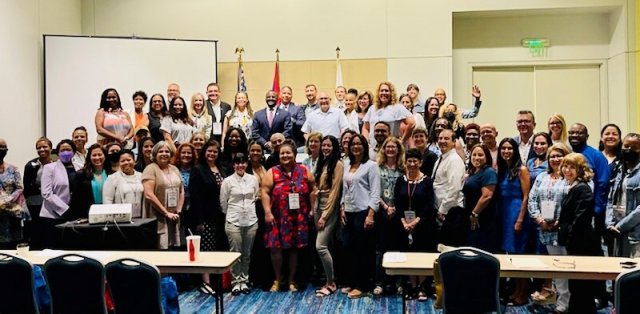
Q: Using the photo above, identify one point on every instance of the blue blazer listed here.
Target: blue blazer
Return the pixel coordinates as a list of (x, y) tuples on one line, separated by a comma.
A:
[(297, 119), (261, 131)]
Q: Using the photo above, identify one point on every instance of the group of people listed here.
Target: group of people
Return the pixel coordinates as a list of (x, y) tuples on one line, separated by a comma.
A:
[(382, 173)]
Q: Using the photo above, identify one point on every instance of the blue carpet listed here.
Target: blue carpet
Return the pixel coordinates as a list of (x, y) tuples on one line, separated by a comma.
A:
[(305, 301)]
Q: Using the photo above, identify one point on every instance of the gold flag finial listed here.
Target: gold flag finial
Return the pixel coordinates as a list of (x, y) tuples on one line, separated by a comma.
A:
[(239, 52)]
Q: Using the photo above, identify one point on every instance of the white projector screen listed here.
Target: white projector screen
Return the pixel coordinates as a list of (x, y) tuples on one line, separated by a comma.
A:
[(79, 69)]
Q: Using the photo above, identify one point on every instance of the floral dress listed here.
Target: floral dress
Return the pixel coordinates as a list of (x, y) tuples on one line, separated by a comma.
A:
[(12, 205), (290, 228)]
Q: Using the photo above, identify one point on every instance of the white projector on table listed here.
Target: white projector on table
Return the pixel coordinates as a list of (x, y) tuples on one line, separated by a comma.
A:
[(101, 213)]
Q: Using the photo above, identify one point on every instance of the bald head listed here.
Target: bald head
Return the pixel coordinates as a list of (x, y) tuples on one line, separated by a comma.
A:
[(323, 101), (276, 140), (488, 133)]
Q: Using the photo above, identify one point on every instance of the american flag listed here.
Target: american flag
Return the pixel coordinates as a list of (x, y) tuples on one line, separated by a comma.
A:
[(242, 84)]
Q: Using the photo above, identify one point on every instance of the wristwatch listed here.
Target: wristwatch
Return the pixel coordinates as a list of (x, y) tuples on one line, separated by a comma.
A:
[(474, 214)]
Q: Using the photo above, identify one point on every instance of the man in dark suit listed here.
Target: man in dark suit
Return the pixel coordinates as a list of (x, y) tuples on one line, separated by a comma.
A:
[(271, 120), (297, 115), (217, 109)]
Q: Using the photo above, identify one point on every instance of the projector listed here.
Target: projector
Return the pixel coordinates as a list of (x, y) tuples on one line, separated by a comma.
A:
[(101, 213)]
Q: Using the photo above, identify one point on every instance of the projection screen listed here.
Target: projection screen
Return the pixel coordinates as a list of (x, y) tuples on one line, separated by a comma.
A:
[(78, 69)]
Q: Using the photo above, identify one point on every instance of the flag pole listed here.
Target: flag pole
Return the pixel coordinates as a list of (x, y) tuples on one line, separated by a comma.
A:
[(276, 76), (241, 83), (339, 81)]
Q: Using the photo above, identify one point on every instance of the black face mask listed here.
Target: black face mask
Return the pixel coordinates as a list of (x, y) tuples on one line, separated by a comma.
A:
[(630, 156), (450, 116), (3, 153), (114, 158)]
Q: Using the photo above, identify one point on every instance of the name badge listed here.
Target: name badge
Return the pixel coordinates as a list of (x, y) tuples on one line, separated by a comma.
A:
[(548, 209), (409, 215), (294, 201), (217, 128), (171, 199), (136, 209)]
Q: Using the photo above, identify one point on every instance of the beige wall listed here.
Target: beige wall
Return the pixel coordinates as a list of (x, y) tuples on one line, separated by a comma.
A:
[(359, 74), (22, 23)]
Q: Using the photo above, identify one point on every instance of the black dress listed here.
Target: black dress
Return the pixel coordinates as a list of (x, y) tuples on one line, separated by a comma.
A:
[(417, 196), (485, 237)]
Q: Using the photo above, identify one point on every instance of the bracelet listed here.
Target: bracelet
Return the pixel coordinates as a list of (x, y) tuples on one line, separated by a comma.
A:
[(474, 214)]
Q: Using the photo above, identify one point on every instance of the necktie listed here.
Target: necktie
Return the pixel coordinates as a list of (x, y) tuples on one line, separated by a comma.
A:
[(270, 116)]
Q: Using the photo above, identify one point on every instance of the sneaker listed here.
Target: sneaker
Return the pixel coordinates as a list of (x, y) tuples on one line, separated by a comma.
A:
[(345, 290), (244, 288), (293, 287), (206, 289), (378, 290), (236, 290)]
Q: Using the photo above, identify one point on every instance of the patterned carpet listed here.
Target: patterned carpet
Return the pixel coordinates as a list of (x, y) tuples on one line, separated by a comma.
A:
[(305, 301)]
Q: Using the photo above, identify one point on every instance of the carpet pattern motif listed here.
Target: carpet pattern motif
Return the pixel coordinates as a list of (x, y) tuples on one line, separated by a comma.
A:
[(305, 301)]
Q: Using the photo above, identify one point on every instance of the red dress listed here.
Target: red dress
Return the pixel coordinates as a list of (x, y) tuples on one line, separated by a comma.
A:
[(290, 227)]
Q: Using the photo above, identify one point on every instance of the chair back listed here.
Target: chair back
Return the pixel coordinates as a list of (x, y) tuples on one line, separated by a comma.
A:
[(76, 284), (470, 279), (134, 286), (16, 291), (627, 296)]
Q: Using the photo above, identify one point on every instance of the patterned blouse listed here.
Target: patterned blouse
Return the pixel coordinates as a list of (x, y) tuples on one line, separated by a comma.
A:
[(388, 179), (546, 190)]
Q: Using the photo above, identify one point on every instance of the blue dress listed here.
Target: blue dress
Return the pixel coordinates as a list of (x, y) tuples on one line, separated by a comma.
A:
[(509, 204), (484, 237)]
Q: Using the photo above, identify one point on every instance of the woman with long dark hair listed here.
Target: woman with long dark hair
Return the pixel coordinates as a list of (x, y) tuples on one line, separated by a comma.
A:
[(88, 183), (328, 177), (208, 219), (513, 186), (144, 154), (112, 123), (479, 188), (157, 111), (177, 127), (360, 201), (610, 142), (235, 142)]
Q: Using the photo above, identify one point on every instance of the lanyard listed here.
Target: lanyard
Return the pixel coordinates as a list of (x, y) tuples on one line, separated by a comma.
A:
[(409, 191)]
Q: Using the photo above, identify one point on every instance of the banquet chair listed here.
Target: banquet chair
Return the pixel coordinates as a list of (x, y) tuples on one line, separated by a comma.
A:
[(470, 280), (76, 284), (134, 286), (627, 292), (17, 291)]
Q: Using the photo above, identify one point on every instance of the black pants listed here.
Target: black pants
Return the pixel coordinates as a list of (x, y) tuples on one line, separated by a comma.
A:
[(360, 247), (455, 227), (49, 232)]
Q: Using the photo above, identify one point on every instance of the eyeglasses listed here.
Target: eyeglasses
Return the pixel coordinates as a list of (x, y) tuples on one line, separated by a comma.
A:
[(523, 121)]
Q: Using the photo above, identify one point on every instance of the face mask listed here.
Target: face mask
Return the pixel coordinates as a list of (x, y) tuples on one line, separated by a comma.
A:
[(114, 158), (630, 156), (450, 116), (65, 156), (271, 103), (3, 153)]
